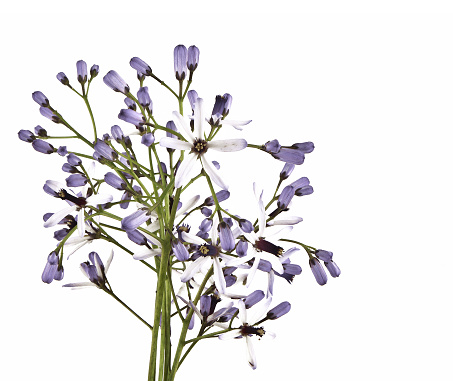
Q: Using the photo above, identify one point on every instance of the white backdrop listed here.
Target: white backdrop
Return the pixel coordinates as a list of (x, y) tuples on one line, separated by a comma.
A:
[(370, 85)]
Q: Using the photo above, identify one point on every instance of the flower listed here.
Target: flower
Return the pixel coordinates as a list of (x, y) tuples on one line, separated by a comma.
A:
[(198, 147), (221, 109)]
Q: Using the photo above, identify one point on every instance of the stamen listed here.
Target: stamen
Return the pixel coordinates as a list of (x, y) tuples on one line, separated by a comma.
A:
[(199, 146)]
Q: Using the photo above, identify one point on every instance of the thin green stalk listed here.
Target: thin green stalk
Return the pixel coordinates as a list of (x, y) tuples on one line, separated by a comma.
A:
[(129, 309)]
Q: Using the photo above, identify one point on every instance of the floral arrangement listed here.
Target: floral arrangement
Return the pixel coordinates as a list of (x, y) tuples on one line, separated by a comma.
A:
[(205, 257)]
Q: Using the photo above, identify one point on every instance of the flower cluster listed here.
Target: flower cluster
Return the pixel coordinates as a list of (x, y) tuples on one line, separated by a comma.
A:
[(206, 257)]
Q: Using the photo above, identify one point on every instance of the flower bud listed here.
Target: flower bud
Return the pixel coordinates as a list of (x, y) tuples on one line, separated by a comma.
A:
[(286, 171), (81, 71), (130, 104), (144, 99), (193, 56), (180, 62), (131, 116), (253, 298), (318, 271), (26, 136), (334, 270), (148, 139), (272, 146), (114, 181), (40, 99), (76, 180), (324, 255), (42, 146), (278, 311), (285, 197), (94, 71), (226, 236), (141, 66), (40, 131), (115, 82), (63, 79)]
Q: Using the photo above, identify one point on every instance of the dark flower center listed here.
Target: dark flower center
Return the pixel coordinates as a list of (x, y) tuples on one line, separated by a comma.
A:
[(248, 330), (199, 146), (79, 201), (268, 247)]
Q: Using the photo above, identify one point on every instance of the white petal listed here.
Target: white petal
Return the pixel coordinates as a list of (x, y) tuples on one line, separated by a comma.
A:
[(58, 216), (81, 222), (109, 261), (193, 268), (270, 284), (182, 126), (198, 113), (242, 312), (253, 269), (218, 276), (258, 312), (237, 124), (214, 231), (275, 262), (212, 172), (280, 233), (88, 240), (236, 262), (184, 170), (192, 238), (293, 220), (99, 199), (230, 335), (251, 358), (55, 185), (270, 335), (175, 143), (229, 145), (146, 254), (188, 205), (80, 285)]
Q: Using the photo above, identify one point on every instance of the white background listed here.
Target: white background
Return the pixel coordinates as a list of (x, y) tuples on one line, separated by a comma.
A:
[(371, 85)]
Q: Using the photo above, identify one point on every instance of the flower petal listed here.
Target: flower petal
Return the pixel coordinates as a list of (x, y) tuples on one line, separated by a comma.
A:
[(99, 199), (228, 145), (146, 254), (212, 172), (237, 124), (175, 144), (198, 118), (58, 216), (182, 126), (192, 269), (184, 170), (251, 358), (218, 276)]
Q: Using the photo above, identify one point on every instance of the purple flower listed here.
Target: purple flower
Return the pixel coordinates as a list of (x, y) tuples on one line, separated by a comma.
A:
[(306, 147), (134, 220), (42, 146), (192, 95), (206, 211), (74, 160), (50, 270), (286, 171), (148, 139), (103, 150), (26, 136), (278, 311), (115, 82), (171, 126), (69, 168), (63, 79), (241, 248), (193, 56), (205, 225), (94, 71), (131, 116), (221, 196), (82, 71), (114, 181), (137, 237), (117, 133), (141, 66), (245, 225), (290, 155), (180, 62), (40, 99), (334, 270), (76, 180), (62, 151), (318, 271), (144, 99), (49, 114)]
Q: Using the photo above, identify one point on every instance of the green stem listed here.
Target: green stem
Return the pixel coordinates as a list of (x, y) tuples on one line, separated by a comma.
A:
[(129, 309)]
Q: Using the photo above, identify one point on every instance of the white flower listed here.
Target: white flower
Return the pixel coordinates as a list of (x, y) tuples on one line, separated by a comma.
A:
[(198, 146)]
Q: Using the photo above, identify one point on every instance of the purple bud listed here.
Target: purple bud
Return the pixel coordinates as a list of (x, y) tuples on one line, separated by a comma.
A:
[(171, 126), (144, 99), (226, 237), (40, 131), (193, 56), (253, 298), (192, 95), (217, 110), (74, 160), (285, 197), (26, 136), (227, 105), (180, 251), (63, 79), (286, 171), (42, 146), (318, 271), (62, 151), (68, 168), (306, 147), (278, 311), (134, 220), (94, 71), (76, 180), (290, 155), (272, 146), (206, 225), (206, 211), (131, 116), (82, 71), (216, 164), (148, 139), (40, 99), (130, 104), (59, 274), (141, 66), (117, 133), (180, 62), (221, 196), (115, 82), (324, 255), (114, 181), (103, 150), (205, 305), (241, 248), (334, 270), (49, 114), (304, 191), (51, 268), (300, 183), (137, 237), (245, 225), (60, 234)]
